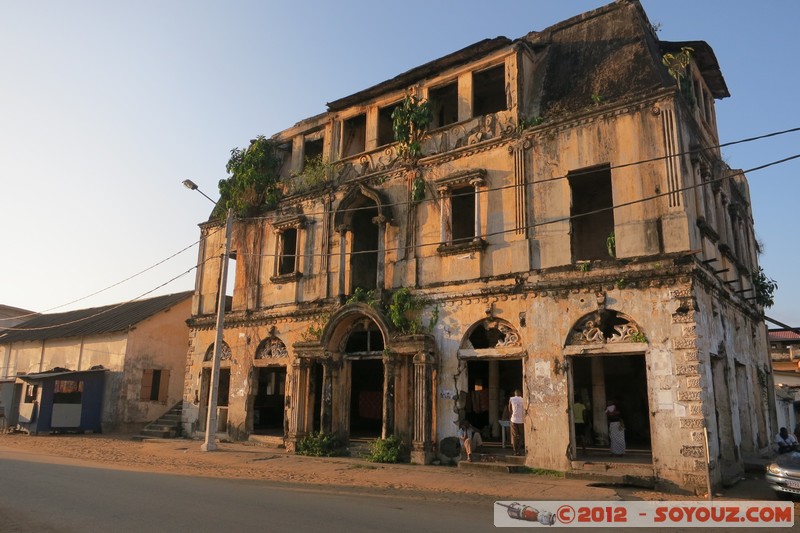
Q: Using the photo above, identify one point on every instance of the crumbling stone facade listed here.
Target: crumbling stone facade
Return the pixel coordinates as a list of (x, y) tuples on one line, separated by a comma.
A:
[(569, 229)]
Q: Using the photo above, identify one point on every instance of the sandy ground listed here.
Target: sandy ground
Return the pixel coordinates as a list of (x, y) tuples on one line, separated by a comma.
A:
[(258, 462)]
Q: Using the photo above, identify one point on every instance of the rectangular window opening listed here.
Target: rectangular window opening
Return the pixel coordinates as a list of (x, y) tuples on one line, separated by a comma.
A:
[(354, 135), (385, 129), (489, 91), (288, 260), (444, 104), (462, 204), (67, 391), (312, 149), (591, 191), (30, 393)]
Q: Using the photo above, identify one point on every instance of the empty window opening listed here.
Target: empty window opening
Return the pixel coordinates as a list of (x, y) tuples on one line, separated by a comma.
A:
[(482, 338), (268, 404), (155, 385), (462, 202), (312, 149), (354, 135), (444, 104), (591, 191), (385, 129), (365, 338), (287, 263), (366, 397), (31, 392), (489, 91), (284, 152), (67, 391), (364, 256)]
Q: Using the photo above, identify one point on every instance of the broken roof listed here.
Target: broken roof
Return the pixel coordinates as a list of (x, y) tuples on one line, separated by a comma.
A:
[(610, 52), (92, 321), (61, 373)]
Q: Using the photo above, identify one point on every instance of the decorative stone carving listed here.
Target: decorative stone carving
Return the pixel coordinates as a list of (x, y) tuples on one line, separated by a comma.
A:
[(605, 327), (224, 356), (491, 333), (271, 348)]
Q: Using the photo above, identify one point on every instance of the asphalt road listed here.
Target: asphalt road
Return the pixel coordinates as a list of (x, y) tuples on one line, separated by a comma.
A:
[(58, 498)]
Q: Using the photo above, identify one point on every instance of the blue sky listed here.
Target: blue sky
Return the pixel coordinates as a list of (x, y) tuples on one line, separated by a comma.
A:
[(105, 107)]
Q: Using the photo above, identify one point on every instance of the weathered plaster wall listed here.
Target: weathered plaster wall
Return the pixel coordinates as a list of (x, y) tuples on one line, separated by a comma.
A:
[(157, 343)]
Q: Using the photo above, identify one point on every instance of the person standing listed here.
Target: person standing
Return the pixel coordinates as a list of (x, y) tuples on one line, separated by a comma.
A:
[(616, 429), (578, 412), (517, 409)]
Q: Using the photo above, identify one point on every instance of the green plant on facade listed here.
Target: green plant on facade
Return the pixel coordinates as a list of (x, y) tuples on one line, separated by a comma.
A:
[(638, 337), (403, 311), (364, 297), (389, 450), (320, 445), (676, 66), (316, 171), (583, 266), (254, 182), (597, 99), (611, 245), (314, 331), (764, 288), (410, 122), (525, 123), (418, 189), (620, 283)]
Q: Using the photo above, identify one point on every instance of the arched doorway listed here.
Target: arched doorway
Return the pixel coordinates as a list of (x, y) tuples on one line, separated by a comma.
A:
[(492, 357), (223, 389), (363, 354), (266, 404), (606, 352)]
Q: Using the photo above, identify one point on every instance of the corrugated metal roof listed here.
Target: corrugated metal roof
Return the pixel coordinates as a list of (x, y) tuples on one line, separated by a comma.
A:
[(92, 321)]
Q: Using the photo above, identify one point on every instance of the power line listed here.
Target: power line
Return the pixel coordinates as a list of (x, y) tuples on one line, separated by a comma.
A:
[(552, 221), (112, 285), (566, 176)]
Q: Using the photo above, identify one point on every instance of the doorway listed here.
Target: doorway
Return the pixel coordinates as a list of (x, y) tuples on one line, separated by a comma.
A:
[(490, 383), (268, 404), (366, 398), (223, 393), (598, 379)]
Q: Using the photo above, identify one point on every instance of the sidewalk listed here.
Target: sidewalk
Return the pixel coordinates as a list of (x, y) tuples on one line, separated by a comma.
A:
[(259, 462)]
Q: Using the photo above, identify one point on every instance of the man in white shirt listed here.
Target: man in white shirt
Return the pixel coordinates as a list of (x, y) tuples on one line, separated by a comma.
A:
[(517, 409)]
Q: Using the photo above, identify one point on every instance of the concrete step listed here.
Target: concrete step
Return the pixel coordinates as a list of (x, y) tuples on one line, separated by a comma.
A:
[(268, 440), (496, 462), (615, 478)]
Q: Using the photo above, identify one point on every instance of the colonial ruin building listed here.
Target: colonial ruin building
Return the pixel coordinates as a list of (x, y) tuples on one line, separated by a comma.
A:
[(567, 227)]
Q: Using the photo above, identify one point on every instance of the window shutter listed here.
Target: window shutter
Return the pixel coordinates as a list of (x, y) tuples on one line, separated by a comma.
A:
[(147, 385), (163, 388)]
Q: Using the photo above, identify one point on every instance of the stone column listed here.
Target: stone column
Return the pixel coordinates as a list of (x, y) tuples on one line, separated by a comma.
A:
[(421, 445), (444, 202), (326, 404), (342, 230), (298, 407), (380, 221), (387, 426), (476, 183)]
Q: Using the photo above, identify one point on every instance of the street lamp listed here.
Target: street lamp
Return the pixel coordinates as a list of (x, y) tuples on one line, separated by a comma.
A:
[(210, 441)]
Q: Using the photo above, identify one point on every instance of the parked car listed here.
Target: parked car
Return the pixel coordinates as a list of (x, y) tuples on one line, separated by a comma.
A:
[(783, 475)]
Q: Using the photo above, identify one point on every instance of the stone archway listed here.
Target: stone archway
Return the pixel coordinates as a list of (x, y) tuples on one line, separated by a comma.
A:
[(266, 401), (605, 359), (223, 391), (490, 368), (361, 220)]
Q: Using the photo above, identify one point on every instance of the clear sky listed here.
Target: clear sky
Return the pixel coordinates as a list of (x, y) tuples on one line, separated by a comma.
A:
[(105, 107)]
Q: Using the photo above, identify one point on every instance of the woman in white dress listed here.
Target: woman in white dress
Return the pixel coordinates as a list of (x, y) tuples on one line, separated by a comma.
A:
[(616, 429)]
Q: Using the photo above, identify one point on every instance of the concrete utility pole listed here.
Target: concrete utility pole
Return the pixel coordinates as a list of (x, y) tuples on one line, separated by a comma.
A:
[(210, 440)]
